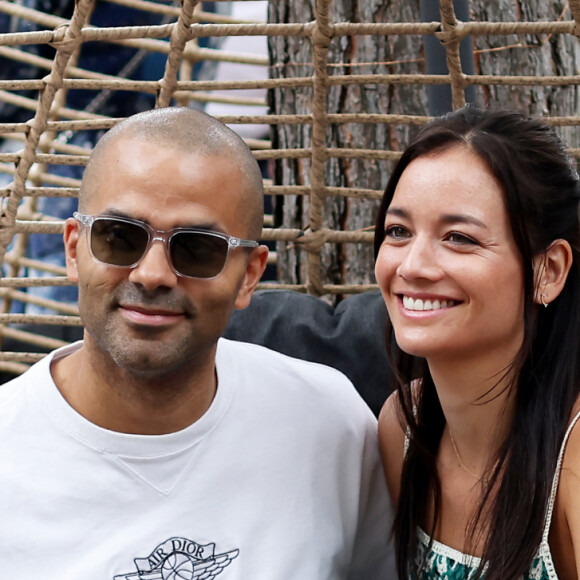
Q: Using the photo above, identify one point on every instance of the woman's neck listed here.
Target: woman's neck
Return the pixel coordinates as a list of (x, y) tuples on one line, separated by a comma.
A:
[(478, 405)]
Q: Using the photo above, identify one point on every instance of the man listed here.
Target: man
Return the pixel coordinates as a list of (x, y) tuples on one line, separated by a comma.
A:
[(155, 449)]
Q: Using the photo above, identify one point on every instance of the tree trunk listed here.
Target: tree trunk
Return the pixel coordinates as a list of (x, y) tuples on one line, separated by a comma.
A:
[(292, 57), (531, 55)]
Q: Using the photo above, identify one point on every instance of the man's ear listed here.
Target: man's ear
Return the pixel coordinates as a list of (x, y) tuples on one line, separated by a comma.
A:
[(255, 267), (551, 271), (71, 239)]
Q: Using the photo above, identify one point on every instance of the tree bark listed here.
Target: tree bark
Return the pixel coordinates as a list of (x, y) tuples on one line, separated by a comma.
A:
[(536, 55), (292, 57), (530, 55)]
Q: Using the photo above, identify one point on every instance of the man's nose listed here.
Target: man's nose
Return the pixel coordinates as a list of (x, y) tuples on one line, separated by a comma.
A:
[(154, 270)]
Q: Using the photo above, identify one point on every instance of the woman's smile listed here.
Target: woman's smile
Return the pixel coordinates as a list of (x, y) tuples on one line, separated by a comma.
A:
[(449, 270), (421, 305)]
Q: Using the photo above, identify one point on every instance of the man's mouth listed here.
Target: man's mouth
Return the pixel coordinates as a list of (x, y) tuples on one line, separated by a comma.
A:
[(150, 316)]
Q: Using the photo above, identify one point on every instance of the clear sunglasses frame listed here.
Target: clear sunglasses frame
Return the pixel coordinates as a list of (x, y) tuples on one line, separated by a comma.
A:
[(162, 236)]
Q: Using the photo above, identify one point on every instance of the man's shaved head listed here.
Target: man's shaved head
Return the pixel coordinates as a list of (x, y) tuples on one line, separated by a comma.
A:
[(185, 131)]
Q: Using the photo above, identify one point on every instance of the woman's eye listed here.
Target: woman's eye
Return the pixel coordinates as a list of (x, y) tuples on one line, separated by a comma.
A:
[(397, 232), (457, 238)]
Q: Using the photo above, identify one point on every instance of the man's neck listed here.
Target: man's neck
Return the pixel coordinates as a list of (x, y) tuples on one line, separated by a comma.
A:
[(117, 400)]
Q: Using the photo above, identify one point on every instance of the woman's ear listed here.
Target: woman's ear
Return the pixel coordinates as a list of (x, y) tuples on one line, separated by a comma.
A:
[(71, 239), (551, 271)]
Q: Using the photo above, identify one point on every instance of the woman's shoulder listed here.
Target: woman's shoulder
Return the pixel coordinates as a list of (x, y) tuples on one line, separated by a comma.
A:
[(571, 447), (565, 529), (392, 434)]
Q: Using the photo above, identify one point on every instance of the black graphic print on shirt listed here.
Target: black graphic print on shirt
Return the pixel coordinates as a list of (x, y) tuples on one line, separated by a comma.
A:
[(180, 559)]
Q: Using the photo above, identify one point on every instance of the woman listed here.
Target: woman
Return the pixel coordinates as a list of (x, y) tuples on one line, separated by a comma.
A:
[(477, 257)]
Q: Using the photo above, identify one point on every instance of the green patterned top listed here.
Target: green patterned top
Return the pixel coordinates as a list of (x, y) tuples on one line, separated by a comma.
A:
[(445, 563)]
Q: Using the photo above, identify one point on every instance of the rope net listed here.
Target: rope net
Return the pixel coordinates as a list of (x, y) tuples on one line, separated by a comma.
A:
[(71, 70)]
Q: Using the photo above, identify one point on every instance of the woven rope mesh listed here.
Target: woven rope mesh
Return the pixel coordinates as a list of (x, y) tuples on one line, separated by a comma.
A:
[(326, 110)]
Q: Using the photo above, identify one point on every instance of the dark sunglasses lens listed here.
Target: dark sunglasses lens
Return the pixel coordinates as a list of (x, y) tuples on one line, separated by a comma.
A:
[(198, 254), (117, 242)]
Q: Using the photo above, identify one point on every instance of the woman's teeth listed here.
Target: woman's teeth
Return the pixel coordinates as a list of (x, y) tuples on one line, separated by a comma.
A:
[(418, 304)]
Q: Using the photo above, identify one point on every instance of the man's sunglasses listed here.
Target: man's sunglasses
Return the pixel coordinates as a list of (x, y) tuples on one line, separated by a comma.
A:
[(122, 242)]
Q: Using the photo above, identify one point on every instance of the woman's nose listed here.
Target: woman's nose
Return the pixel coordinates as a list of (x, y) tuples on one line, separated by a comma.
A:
[(420, 260)]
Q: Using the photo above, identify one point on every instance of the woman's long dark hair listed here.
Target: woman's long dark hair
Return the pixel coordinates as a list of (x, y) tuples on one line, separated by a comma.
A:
[(542, 194)]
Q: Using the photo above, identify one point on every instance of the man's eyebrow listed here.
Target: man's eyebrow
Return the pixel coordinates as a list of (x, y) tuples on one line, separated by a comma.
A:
[(450, 218), (210, 227), (206, 226), (115, 213)]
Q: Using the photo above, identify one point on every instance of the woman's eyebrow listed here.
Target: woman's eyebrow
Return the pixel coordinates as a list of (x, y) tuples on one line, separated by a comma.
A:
[(399, 212), (454, 218), (451, 218)]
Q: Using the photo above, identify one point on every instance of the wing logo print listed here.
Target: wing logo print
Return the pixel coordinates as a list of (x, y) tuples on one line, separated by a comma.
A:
[(180, 559)]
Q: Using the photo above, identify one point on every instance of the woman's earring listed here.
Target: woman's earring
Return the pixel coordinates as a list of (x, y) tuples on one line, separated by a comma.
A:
[(543, 300)]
